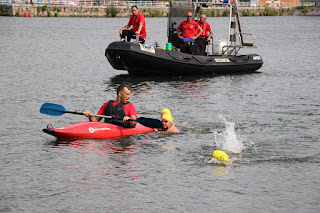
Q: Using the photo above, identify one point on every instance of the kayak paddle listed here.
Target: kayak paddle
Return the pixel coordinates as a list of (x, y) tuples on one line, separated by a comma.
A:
[(150, 122), (57, 110)]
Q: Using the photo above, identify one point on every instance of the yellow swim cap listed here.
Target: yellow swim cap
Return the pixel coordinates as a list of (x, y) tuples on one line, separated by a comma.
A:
[(165, 110), (167, 117), (220, 155)]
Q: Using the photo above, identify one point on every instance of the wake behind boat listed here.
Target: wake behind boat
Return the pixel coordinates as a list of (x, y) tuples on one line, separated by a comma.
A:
[(221, 57)]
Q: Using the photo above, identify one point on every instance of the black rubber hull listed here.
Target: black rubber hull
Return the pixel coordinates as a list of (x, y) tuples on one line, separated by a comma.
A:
[(140, 60)]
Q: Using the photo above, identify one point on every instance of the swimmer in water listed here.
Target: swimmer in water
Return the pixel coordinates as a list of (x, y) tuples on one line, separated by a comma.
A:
[(168, 126)]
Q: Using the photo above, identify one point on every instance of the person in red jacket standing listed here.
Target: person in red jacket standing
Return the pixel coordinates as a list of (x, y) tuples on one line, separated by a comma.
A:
[(137, 21), (202, 41), (189, 29)]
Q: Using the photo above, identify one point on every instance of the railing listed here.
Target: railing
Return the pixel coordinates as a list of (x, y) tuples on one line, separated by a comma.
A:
[(123, 3), (252, 3), (89, 2)]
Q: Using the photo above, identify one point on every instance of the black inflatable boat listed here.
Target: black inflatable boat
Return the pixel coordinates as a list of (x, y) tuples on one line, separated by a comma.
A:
[(222, 57), (139, 59)]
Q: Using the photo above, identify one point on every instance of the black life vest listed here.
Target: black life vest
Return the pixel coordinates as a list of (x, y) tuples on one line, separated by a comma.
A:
[(117, 113)]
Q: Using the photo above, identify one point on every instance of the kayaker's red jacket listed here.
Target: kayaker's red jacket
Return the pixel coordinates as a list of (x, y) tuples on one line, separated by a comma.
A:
[(117, 110)]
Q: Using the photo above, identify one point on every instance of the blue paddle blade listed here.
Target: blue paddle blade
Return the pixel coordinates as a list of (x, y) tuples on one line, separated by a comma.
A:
[(150, 122), (52, 109)]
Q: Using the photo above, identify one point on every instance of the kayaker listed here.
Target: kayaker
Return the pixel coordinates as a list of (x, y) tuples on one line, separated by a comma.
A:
[(120, 109), (189, 29), (202, 41), (168, 127), (138, 23)]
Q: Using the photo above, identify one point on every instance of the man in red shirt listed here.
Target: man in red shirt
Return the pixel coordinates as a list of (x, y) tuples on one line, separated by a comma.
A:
[(120, 109), (202, 41), (189, 29), (137, 21)]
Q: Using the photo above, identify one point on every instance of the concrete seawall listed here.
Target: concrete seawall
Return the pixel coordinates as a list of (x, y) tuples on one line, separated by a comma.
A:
[(125, 11)]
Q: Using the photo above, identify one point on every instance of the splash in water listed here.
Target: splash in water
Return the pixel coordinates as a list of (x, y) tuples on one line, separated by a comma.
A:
[(227, 140)]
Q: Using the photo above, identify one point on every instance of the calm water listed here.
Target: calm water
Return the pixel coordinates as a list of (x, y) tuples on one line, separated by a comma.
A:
[(272, 117)]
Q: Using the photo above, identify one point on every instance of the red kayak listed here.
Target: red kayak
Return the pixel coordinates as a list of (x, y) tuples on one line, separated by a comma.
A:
[(96, 130)]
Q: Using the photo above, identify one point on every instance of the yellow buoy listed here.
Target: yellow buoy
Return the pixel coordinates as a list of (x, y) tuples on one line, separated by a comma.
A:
[(220, 155)]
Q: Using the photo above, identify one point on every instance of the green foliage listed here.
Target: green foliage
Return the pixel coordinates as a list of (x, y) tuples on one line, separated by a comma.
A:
[(112, 11), (246, 13), (43, 8), (213, 13), (226, 13), (261, 12), (283, 12), (254, 13), (218, 14), (305, 9), (179, 11), (301, 7), (156, 13), (201, 10), (206, 12), (271, 11)]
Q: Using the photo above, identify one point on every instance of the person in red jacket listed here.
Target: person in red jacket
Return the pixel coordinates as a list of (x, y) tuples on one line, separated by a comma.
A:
[(189, 29), (120, 109), (202, 41), (138, 23)]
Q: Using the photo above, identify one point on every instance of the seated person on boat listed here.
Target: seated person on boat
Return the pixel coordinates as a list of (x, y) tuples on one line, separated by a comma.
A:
[(137, 21), (202, 41), (189, 29), (121, 110)]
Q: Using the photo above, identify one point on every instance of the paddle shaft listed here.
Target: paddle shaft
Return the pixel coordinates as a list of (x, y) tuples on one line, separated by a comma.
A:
[(101, 116), (80, 113)]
